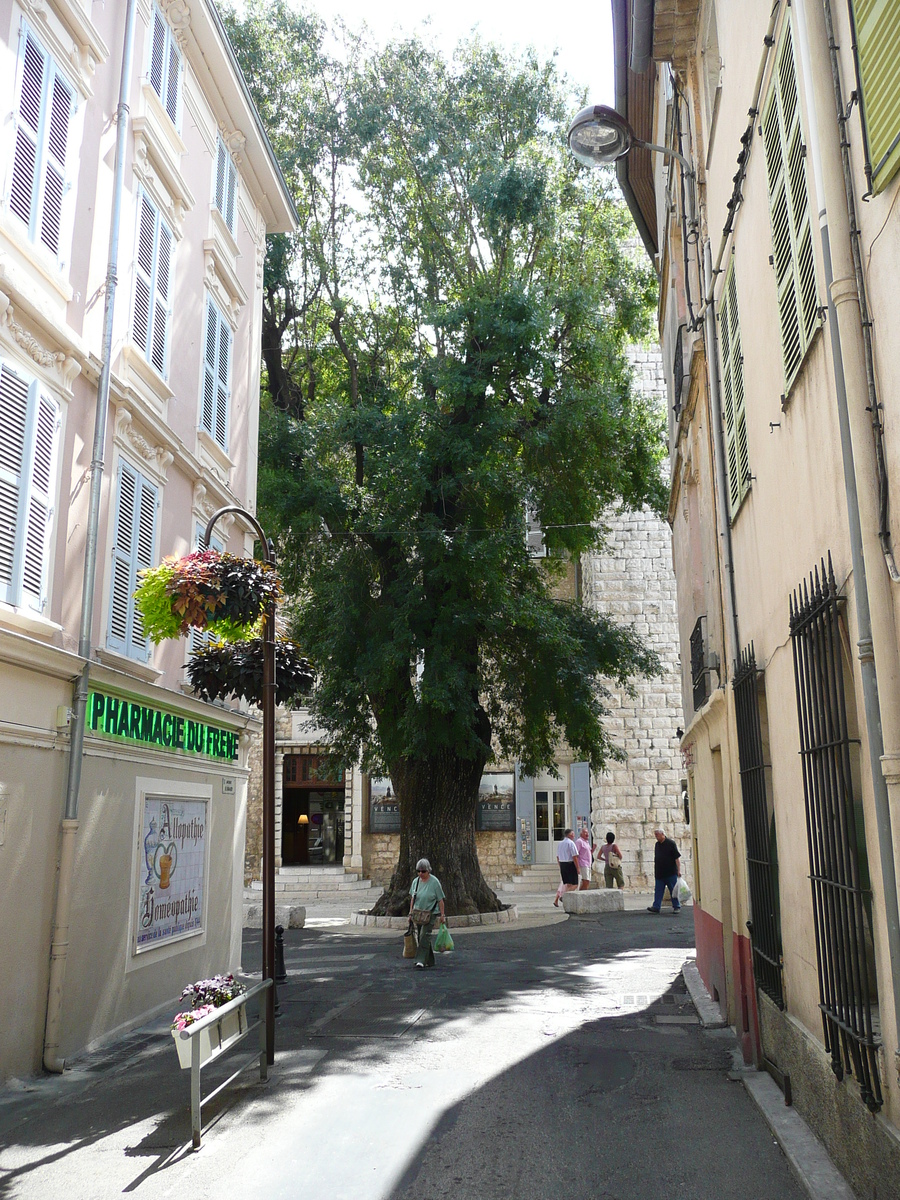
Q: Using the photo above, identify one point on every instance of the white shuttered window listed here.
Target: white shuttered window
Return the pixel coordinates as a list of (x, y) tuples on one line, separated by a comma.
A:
[(216, 375), (226, 186), (134, 538), (43, 115), (795, 269), (29, 424), (153, 284), (164, 68), (733, 410)]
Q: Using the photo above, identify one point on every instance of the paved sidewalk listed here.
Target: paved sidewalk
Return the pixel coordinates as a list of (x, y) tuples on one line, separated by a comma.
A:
[(530, 1051)]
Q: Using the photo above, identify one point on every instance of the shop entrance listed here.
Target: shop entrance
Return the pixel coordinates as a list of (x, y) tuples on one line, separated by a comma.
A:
[(312, 813), (551, 818)]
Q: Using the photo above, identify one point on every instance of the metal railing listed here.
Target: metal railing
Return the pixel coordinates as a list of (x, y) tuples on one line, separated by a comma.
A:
[(762, 865), (222, 1041), (843, 950)]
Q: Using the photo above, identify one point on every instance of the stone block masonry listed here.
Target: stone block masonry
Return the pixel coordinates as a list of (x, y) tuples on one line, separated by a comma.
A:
[(632, 581)]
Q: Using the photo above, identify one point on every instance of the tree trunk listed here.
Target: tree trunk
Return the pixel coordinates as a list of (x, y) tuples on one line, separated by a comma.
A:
[(438, 797)]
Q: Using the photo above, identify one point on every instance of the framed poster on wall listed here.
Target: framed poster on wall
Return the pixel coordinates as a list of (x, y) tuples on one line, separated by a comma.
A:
[(496, 802), (172, 865), (384, 809)]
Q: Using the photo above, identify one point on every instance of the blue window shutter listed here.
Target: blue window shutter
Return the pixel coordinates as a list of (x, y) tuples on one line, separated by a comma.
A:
[(144, 541), (39, 481), (14, 411), (122, 557), (524, 812), (580, 779)]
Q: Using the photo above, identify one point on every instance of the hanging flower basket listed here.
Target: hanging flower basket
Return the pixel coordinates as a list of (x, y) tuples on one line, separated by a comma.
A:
[(206, 995), (236, 669), (221, 593)]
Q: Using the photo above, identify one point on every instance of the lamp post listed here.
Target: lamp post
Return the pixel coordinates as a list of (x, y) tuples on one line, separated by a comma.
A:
[(268, 797), (600, 135)]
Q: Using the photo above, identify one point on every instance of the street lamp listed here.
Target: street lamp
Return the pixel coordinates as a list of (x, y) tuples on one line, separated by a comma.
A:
[(268, 757), (600, 135)]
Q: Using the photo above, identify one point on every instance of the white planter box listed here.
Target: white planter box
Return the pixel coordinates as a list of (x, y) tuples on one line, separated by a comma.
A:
[(214, 1038)]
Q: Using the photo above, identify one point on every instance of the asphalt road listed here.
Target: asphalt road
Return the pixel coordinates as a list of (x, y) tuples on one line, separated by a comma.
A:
[(543, 1062)]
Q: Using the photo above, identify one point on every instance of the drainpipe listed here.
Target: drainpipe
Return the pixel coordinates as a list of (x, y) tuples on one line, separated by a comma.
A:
[(732, 652), (59, 946), (871, 580)]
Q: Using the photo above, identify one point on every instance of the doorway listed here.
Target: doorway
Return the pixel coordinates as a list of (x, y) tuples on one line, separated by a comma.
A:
[(312, 813), (550, 822)]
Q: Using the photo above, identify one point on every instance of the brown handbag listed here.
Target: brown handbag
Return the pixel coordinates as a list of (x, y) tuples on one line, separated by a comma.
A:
[(409, 942)]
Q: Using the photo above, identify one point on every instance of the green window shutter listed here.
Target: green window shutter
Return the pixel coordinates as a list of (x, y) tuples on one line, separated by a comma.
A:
[(878, 47), (795, 271), (737, 457)]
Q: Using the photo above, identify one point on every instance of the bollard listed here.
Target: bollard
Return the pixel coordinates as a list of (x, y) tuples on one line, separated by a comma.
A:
[(280, 972)]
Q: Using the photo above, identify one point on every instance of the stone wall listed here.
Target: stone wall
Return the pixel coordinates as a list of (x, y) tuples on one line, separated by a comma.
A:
[(496, 854), (632, 580), (253, 844)]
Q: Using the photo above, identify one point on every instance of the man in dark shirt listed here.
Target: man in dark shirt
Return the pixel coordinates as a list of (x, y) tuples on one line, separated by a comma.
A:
[(666, 869)]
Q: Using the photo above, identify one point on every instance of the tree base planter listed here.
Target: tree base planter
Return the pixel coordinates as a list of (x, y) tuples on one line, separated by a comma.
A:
[(212, 1036), (504, 917)]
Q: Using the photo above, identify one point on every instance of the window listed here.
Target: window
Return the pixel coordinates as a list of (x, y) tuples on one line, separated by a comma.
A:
[(43, 115), (795, 270), (733, 411), (199, 638), (226, 186), (165, 66), (878, 50), (152, 284), (29, 421), (838, 867), (134, 538), (216, 376)]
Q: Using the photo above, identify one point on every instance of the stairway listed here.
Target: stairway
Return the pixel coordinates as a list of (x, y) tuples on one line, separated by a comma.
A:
[(305, 885), (538, 878)]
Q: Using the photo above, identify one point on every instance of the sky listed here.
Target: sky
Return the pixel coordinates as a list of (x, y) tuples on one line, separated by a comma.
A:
[(581, 35)]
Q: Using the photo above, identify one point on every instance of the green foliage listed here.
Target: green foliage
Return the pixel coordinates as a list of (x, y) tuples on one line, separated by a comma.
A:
[(206, 590), (236, 669), (462, 304)]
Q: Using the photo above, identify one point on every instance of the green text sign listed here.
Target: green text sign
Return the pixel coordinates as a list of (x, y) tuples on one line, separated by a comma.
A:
[(156, 727)]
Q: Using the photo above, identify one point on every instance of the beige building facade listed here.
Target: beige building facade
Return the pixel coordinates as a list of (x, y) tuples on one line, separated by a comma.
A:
[(152, 860), (777, 244)]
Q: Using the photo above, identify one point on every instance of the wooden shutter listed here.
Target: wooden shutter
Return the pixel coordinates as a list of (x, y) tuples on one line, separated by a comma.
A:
[(733, 411), (173, 80), (158, 52), (23, 190), (794, 261), (878, 47), (223, 383), (216, 376), (143, 283), (13, 426), (37, 499), (161, 299), (54, 184), (226, 185), (134, 539)]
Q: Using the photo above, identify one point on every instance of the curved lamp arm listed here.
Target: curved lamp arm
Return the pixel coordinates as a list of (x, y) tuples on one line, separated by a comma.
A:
[(268, 545)]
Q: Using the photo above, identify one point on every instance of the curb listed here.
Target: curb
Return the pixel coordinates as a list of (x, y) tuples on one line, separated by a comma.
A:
[(707, 1009), (806, 1155)]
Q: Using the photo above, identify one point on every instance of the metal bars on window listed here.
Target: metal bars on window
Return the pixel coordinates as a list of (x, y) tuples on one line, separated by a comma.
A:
[(839, 898), (765, 925)]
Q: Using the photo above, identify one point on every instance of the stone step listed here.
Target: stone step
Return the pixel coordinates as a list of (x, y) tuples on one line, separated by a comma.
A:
[(324, 873), (342, 883), (308, 895)]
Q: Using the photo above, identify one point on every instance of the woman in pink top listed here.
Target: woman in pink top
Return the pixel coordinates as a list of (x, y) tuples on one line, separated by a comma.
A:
[(585, 858)]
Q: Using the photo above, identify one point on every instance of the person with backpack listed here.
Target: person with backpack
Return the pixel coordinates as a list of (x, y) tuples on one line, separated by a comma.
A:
[(612, 862)]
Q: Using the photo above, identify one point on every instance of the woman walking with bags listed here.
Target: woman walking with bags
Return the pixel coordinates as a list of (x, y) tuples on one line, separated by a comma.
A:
[(426, 901)]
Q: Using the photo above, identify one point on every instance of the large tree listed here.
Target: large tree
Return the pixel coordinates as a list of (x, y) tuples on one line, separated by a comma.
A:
[(453, 333)]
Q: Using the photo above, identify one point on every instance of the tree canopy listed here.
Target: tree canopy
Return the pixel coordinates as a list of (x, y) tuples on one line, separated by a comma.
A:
[(445, 351)]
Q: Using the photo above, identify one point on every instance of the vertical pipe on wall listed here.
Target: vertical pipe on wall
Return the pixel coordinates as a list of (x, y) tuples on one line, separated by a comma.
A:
[(60, 938), (871, 582)]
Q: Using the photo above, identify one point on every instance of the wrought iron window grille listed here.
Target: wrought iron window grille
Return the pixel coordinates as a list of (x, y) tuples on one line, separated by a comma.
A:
[(841, 901), (759, 827), (702, 662)]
